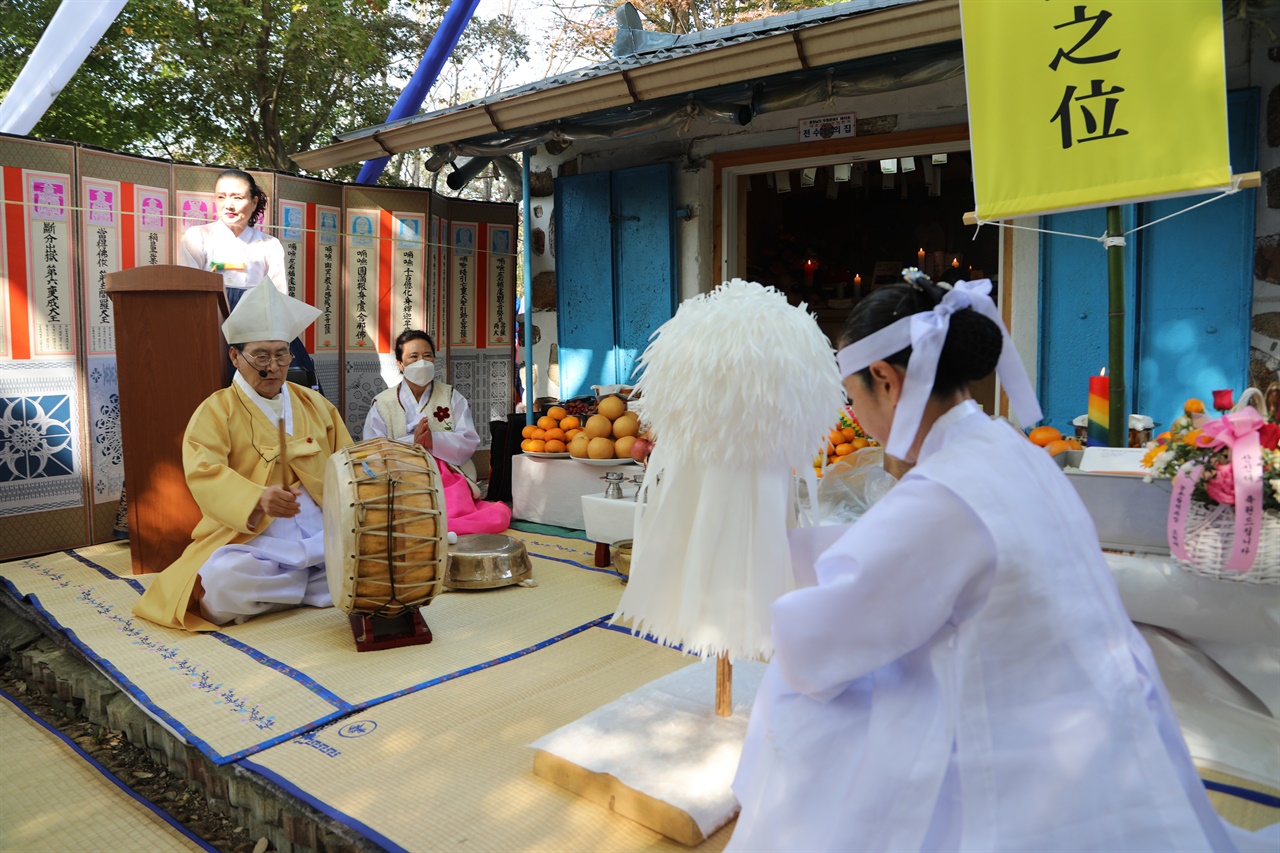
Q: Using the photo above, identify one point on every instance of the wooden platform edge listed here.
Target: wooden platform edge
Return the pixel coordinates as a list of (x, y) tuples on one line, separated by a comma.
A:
[(606, 790)]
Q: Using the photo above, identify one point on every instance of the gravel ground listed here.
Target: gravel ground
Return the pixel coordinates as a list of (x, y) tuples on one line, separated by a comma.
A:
[(134, 767)]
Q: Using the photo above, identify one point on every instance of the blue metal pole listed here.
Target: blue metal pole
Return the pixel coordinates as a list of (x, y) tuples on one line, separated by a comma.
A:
[(526, 241), (456, 18)]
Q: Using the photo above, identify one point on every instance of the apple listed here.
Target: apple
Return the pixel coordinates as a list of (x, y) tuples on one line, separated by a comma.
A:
[(640, 449)]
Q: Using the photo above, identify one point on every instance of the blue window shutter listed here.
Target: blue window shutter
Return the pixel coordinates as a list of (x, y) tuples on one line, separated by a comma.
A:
[(584, 283), (1196, 294), (643, 259)]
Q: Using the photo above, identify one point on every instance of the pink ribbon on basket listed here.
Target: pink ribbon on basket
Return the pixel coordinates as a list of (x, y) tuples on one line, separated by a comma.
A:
[(1238, 432)]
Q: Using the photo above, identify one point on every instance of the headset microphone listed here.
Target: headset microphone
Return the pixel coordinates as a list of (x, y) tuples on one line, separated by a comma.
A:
[(262, 373)]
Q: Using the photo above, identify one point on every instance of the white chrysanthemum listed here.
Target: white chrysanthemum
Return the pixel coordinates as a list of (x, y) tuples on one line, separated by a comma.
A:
[(740, 387)]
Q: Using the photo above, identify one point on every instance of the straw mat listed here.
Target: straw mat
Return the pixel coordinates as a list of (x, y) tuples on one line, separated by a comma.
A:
[(55, 798), (450, 768), (1242, 802), (239, 690)]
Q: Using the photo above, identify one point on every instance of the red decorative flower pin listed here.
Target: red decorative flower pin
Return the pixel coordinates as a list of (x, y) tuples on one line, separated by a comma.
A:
[(442, 413)]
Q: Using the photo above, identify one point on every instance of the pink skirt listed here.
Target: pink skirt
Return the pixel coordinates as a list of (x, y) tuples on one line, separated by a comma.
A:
[(466, 514)]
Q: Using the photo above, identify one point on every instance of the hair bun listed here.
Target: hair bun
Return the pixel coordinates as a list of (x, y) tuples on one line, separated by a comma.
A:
[(973, 345)]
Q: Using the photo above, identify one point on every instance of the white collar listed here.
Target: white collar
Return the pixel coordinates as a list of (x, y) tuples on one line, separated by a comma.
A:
[(245, 236), (406, 396), (937, 433), (264, 405)]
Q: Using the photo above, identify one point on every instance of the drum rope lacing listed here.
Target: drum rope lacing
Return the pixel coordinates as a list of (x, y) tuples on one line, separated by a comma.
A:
[(413, 541)]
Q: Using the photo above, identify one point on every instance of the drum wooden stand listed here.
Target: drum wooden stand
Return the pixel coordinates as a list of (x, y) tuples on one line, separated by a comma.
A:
[(373, 633)]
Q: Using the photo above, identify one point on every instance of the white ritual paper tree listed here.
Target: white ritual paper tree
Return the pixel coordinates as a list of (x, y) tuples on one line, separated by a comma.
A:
[(740, 389)]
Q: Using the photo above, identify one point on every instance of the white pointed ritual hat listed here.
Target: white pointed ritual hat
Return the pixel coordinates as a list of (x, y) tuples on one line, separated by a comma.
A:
[(266, 314)]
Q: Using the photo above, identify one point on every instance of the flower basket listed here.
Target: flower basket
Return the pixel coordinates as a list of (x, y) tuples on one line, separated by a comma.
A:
[(1224, 516), (1209, 539)]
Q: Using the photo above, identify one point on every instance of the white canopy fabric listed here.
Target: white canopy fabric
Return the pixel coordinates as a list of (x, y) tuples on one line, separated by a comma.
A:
[(66, 42)]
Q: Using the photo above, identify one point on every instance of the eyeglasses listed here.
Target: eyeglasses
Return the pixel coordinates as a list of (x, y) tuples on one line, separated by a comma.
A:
[(265, 360)]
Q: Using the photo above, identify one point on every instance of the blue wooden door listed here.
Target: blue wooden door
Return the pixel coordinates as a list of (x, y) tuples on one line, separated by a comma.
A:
[(1188, 296), (1196, 296), (615, 271), (643, 260), (584, 283)]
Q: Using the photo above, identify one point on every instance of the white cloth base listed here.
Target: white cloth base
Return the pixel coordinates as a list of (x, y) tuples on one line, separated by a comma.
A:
[(1225, 726), (665, 740), (282, 567), (1235, 624)]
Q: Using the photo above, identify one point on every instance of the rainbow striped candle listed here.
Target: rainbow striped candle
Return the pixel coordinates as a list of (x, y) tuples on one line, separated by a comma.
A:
[(1099, 410)]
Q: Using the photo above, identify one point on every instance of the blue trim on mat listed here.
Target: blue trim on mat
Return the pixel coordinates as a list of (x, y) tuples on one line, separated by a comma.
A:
[(259, 657), (323, 807), (105, 572), (111, 777), (648, 638), (1243, 793), (284, 669), (116, 675), (479, 666), (574, 563)]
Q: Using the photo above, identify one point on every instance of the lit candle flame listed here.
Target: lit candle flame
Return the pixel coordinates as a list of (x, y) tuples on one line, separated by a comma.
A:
[(1102, 372)]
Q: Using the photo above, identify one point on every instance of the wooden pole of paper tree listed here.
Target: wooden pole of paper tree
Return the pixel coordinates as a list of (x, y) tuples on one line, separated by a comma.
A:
[(724, 686)]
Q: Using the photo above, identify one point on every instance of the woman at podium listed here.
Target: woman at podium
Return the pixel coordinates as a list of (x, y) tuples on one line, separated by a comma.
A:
[(233, 246)]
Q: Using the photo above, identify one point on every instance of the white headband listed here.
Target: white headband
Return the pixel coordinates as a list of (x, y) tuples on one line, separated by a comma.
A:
[(925, 333)]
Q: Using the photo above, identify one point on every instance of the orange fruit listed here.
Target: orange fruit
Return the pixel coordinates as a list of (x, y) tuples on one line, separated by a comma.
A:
[(1072, 444), (555, 434), (600, 448), (844, 449), (599, 426), (849, 433), (557, 412), (612, 407), (524, 445), (835, 437), (527, 432), (1056, 447), (571, 434), (859, 443), (554, 446), (627, 425), (547, 422), (537, 446), (539, 434), (569, 423), (1044, 436)]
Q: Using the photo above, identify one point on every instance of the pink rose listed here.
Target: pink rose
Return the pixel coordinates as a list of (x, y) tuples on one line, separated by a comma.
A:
[(1222, 399), (1269, 436), (1222, 488)]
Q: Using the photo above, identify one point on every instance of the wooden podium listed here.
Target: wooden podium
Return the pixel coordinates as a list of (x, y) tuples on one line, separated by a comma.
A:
[(170, 356)]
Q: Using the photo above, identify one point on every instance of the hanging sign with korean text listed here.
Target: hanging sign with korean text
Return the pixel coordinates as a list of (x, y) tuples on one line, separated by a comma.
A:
[(1070, 103)]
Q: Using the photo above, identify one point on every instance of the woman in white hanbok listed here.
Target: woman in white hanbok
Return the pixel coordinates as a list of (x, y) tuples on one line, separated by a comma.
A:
[(963, 676)]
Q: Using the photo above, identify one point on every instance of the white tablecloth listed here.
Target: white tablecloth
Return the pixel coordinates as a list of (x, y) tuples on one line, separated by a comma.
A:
[(549, 491), (610, 520)]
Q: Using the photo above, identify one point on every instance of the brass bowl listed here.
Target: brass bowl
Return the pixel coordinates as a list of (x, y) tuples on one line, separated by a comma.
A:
[(621, 553)]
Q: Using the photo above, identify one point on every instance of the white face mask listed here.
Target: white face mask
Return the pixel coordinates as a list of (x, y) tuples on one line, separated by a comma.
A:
[(420, 372)]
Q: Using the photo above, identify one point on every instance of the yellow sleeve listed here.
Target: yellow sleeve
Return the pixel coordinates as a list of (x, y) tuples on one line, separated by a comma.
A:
[(222, 493)]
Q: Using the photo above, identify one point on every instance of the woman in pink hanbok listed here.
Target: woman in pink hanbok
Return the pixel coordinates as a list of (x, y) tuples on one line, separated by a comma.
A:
[(428, 412)]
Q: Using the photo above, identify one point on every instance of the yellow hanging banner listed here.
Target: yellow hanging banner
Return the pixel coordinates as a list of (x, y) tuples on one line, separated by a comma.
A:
[(1081, 104)]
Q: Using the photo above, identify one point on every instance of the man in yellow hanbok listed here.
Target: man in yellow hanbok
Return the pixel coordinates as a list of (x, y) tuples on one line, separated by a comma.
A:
[(260, 545)]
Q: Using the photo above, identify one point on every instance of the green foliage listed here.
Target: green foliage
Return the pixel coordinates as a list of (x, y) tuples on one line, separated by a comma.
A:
[(241, 82)]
